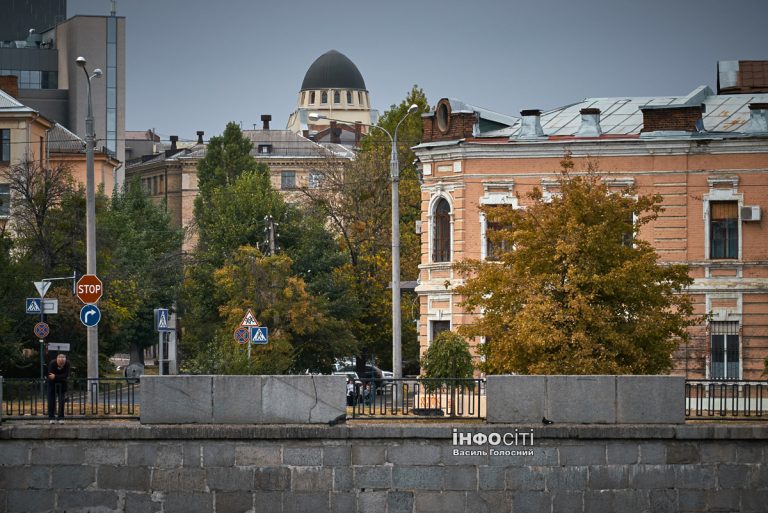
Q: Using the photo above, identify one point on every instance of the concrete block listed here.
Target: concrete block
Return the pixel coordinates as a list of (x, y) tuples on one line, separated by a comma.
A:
[(302, 399), (80, 500), (215, 454), (651, 476), (15, 453), (378, 476), (599, 501), (234, 502), (336, 455), (515, 399), (565, 478), (683, 453), (272, 478), (399, 502), (665, 501), (653, 453), (584, 454), (414, 454), (302, 502), (176, 502), (229, 479), (58, 454), (268, 502), (621, 453), (532, 502), (491, 478), (179, 480), (567, 501), (699, 477), (303, 456), (691, 500), (105, 453), (73, 476), (122, 478), (311, 479), (417, 478), (236, 399), (525, 478), (581, 399), (608, 477), (440, 502), (754, 501), (373, 502), (750, 452), (460, 478), (141, 503), (720, 500), (650, 399), (29, 501), (489, 501), (368, 454), (345, 502), (22, 478), (257, 455), (343, 480), (192, 454), (176, 400), (631, 500)]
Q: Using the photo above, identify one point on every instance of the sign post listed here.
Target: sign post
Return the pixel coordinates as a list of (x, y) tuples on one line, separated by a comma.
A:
[(248, 322), (165, 325)]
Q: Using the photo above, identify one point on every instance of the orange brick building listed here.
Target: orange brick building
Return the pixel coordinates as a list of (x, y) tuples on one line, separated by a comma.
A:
[(705, 153)]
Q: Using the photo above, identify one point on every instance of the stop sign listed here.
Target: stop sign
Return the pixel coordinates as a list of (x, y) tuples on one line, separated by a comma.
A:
[(89, 288)]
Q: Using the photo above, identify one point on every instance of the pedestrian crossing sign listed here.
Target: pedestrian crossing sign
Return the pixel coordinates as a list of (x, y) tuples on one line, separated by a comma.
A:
[(259, 335), (34, 305), (163, 320)]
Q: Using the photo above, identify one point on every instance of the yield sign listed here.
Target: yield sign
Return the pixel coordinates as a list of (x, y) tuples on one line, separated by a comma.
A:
[(249, 319), (42, 287)]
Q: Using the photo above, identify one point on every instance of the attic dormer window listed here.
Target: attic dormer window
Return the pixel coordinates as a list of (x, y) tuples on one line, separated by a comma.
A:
[(265, 149)]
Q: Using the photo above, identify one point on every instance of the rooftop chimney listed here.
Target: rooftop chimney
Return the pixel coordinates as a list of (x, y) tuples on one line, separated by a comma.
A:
[(758, 118), (590, 123), (200, 134), (10, 84), (530, 127), (265, 119), (335, 133), (174, 140), (683, 118)]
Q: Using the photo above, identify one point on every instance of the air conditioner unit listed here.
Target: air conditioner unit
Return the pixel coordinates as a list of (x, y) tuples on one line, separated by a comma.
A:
[(418, 227), (750, 213)]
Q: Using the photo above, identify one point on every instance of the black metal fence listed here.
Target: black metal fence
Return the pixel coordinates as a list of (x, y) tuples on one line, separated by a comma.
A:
[(83, 398), (418, 398), (738, 400)]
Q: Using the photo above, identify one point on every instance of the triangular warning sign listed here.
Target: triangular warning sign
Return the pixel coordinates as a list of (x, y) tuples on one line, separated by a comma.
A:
[(162, 322), (249, 319), (33, 307), (258, 336)]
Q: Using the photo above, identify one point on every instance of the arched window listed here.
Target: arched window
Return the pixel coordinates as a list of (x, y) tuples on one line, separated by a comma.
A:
[(441, 232), (336, 97), (349, 97), (324, 97), (312, 98)]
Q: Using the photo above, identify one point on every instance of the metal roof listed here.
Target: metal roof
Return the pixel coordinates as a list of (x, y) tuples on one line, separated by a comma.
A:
[(9, 103), (623, 116), (61, 140), (333, 69)]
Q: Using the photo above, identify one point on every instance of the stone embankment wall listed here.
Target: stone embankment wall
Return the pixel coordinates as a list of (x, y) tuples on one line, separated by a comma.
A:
[(127, 467)]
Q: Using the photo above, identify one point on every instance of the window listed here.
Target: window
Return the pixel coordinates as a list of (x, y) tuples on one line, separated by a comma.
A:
[(336, 97), (723, 229), (360, 97), (724, 350), (314, 180), (349, 97), (288, 180), (439, 327), (628, 237), (5, 200), (312, 98), (303, 97), (494, 247), (265, 149), (441, 234), (5, 145), (324, 97)]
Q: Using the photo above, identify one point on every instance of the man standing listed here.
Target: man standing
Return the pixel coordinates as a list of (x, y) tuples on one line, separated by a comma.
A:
[(58, 373)]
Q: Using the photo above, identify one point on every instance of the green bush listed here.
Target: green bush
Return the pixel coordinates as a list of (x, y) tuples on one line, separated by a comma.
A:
[(447, 357)]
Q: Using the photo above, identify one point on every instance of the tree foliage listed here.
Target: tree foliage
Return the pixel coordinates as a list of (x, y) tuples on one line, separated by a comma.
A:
[(573, 296), (355, 197), (448, 356)]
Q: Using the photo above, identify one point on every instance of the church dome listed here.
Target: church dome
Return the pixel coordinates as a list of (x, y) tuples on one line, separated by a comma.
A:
[(333, 70)]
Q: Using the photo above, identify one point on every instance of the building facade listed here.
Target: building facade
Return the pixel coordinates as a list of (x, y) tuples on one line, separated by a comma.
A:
[(705, 153), (49, 81)]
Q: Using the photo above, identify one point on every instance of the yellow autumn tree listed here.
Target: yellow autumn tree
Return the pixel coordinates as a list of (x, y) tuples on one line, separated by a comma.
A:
[(577, 291)]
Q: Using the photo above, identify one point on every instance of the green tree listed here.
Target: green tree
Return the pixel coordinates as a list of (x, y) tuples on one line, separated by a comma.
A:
[(140, 264), (355, 198), (576, 295), (447, 357)]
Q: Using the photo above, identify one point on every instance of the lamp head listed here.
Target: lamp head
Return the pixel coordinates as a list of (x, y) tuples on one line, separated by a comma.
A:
[(314, 116), (97, 72), (412, 108), (80, 61)]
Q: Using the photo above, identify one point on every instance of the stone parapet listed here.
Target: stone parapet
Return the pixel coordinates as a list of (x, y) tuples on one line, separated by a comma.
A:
[(242, 399), (586, 399)]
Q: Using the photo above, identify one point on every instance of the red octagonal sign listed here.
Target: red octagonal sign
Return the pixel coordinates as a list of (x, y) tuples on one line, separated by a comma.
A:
[(89, 288)]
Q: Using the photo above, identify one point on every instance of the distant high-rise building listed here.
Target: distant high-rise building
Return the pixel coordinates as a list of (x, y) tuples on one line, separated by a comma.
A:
[(49, 81)]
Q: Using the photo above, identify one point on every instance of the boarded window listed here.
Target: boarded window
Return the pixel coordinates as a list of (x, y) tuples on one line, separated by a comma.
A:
[(724, 229), (441, 242)]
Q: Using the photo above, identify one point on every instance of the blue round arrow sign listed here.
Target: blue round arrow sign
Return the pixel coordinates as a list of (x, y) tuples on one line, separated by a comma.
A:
[(90, 315)]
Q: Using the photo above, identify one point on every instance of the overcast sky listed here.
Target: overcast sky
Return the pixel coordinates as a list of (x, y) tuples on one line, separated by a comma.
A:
[(197, 64)]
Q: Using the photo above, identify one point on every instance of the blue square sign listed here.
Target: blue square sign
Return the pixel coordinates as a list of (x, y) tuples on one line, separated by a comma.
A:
[(259, 334)]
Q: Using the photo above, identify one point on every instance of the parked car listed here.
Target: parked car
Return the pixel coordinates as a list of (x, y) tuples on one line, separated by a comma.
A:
[(371, 373)]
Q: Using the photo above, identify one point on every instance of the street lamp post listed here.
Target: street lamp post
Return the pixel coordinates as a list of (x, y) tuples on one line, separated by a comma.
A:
[(90, 217), (394, 175)]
